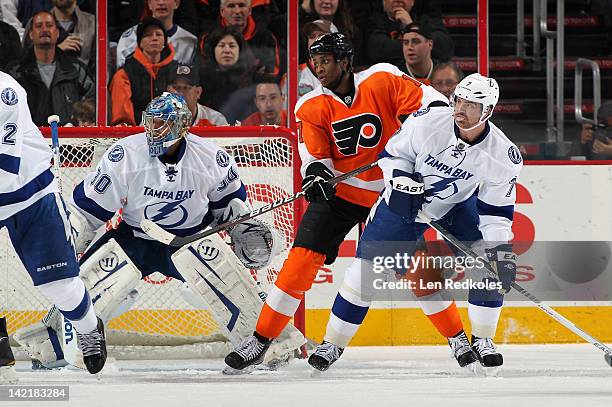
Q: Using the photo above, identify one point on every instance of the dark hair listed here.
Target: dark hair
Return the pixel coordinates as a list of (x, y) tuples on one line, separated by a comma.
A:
[(342, 19), (245, 57), (452, 65), (604, 111), (84, 110)]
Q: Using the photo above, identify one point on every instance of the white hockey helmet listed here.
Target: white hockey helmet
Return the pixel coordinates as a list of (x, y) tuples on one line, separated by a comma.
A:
[(479, 89)]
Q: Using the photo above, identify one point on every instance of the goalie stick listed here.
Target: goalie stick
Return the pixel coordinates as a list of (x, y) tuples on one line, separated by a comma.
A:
[(545, 308), (67, 332), (158, 233)]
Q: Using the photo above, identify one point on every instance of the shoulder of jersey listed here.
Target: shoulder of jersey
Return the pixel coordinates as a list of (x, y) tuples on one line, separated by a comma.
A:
[(382, 69), (308, 97), (505, 151), (430, 116), (183, 33), (208, 151), (129, 32), (133, 146), (10, 90)]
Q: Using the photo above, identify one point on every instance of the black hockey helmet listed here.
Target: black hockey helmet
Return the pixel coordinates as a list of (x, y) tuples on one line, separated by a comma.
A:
[(336, 44)]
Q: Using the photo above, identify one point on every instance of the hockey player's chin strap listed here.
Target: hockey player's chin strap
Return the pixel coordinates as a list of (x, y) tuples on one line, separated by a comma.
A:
[(334, 86)]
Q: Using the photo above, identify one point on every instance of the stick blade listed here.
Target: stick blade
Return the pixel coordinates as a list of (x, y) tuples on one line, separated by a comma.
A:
[(155, 231), (608, 359)]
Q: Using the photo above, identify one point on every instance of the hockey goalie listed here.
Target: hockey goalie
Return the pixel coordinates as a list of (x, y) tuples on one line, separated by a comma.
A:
[(184, 184)]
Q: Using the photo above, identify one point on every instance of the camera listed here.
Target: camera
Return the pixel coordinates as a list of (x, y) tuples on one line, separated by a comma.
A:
[(602, 132)]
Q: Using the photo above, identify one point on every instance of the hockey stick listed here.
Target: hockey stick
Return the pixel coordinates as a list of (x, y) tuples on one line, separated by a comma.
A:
[(67, 332), (158, 233), (545, 308)]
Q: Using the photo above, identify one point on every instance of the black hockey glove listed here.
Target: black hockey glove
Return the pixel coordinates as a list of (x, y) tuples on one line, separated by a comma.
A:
[(315, 185), (503, 260)]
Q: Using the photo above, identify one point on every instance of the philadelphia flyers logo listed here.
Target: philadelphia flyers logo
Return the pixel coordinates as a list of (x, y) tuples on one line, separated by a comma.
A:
[(363, 130)]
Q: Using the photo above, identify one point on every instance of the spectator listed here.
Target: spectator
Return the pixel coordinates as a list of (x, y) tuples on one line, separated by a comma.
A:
[(385, 28), (145, 74), (52, 79), (445, 77), (185, 82), (236, 14), (208, 12), (227, 74), (307, 79), (597, 141), (77, 31), (10, 45), (183, 42), (84, 113), (269, 101), (122, 15), (338, 15), (8, 14), (416, 47)]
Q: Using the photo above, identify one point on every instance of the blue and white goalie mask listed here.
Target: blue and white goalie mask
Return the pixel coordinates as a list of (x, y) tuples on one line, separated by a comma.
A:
[(166, 119)]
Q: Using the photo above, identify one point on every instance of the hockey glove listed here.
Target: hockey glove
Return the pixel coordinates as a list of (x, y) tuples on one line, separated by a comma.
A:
[(407, 194), (315, 185), (503, 261)]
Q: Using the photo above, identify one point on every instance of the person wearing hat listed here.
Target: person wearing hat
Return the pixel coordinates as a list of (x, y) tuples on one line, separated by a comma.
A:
[(185, 81), (417, 44), (183, 42), (312, 31), (144, 76), (596, 141)]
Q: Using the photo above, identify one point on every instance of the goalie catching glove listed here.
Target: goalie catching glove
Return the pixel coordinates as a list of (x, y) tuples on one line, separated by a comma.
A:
[(315, 184), (255, 242)]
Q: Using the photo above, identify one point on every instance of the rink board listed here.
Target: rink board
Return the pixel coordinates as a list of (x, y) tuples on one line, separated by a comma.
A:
[(554, 202)]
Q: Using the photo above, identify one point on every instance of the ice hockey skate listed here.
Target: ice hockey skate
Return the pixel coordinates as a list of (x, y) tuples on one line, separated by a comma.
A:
[(462, 351), (325, 355), (490, 359), (93, 346)]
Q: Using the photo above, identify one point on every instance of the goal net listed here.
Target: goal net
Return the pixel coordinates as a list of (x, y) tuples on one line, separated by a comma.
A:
[(160, 318)]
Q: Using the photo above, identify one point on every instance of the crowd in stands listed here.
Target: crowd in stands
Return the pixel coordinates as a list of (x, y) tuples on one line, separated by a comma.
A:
[(234, 51), (226, 57)]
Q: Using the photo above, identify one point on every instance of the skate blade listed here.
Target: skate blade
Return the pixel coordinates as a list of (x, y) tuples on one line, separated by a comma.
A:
[(608, 359), (472, 368), (230, 371)]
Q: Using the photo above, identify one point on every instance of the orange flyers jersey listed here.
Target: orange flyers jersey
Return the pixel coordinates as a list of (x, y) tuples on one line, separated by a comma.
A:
[(344, 138)]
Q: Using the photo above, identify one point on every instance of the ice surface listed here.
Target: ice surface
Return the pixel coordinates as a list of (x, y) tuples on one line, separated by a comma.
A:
[(533, 375)]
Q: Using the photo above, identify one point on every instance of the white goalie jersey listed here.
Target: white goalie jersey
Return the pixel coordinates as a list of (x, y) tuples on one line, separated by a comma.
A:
[(182, 198)]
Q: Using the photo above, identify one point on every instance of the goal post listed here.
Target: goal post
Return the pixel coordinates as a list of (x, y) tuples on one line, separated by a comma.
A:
[(268, 164)]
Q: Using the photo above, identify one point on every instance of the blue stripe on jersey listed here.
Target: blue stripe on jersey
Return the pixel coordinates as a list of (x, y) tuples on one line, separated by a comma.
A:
[(240, 193), (25, 192), (9, 163), (484, 209), (89, 205), (384, 154), (347, 311)]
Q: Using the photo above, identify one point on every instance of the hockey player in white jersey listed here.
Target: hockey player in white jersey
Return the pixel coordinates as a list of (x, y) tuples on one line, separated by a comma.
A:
[(184, 184), (459, 169), (34, 214)]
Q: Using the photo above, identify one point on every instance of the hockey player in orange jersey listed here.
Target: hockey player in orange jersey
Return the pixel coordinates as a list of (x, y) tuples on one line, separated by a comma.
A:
[(342, 125)]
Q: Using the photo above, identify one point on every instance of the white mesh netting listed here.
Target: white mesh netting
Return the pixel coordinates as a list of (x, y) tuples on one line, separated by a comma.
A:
[(161, 318)]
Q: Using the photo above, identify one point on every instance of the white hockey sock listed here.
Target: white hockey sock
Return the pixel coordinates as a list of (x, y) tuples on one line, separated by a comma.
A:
[(71, 298), (483, 320)]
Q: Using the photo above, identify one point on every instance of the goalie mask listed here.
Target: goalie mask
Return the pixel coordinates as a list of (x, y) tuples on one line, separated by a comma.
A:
[(478, 89), (166, 119)]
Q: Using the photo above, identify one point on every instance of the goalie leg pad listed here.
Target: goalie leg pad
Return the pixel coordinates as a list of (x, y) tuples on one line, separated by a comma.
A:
[(40, 340), (213, 271), (110, 277)]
